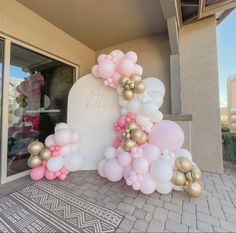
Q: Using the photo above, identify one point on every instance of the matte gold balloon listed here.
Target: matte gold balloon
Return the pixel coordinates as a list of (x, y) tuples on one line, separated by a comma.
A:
[(183, 164), (128, 94), (139, 87), (143, 140), (137, 135), (123, 80), (136, 77), (35, 147), (196, 173), (128, 145), (178, 178), (45, 154), (34, 161), (193, 189), (131, 125), (189, 176), (127, 136)]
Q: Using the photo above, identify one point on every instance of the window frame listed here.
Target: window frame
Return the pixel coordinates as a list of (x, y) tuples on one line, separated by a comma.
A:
[(7, 41)]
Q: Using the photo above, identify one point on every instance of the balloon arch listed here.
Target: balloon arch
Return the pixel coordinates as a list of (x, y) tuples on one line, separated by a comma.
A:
[(147, 151)]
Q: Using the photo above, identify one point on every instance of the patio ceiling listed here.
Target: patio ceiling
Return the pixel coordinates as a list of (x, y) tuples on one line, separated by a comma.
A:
[(103, 23)]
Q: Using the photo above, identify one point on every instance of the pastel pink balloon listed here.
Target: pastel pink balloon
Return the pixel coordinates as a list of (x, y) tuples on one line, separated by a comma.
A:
[(37, 173), (113, 170), (166, 135), (106, 69), (62, 177), (101, 58), (140, 165), (63, 137), (61, 126), (127, 171), (117, 53), (75, 137), (151, 153), (100, 168), (136, 185), (49, 175), (115, 77), (148, 184), (132, 56), (49, 141), (126, 67), (138, 69), (65, 150), (95, 71), (110, 153), (124, 159)]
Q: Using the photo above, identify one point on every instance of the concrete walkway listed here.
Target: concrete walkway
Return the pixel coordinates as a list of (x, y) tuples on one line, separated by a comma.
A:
[(215, 211)]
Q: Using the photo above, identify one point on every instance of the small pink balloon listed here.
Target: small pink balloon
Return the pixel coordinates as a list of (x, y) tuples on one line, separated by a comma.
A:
[(95, 71), (148, 184), (63, 137), (49, 141), (138, 69), (101, 58), (132, 56), (117, 53), (113, 170), (124, 159), (115, 77), (100, 168), (58, 173), (166, 135), (49, 175), (127, 171), (37, 173), (44, 163), (140, 165), (63, 170), (62, 177), (136, 185), (126, 67), (106, 69)]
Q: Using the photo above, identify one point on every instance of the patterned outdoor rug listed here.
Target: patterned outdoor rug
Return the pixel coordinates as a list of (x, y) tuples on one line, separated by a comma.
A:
[(42, 207)]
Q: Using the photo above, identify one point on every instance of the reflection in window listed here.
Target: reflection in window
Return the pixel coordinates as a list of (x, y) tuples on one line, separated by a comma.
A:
[(38, 92)]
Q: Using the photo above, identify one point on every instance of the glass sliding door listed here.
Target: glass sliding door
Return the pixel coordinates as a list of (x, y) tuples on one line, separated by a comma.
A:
[(37, 99)]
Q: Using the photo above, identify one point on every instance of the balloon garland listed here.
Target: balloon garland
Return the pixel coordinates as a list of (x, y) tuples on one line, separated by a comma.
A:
[(57, 157), (147, 151)]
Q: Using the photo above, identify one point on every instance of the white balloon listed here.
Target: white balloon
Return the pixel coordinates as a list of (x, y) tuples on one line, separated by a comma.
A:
[(154, 84), (149, 108), (156, 117), (164, 188), (49, 141), (151, 153), (73, 161), (74, 147), (65, 150), (156, 97), (133, 106), (141, 120), (183, 153), (61, 126), (55, 163), (161, 171)]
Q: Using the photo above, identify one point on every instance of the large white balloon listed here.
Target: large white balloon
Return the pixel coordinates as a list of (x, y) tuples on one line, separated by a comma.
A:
[(164, 188), (161, 171), (151, 153), (73, 161), (183, 153), (55, 163), (154, 84)]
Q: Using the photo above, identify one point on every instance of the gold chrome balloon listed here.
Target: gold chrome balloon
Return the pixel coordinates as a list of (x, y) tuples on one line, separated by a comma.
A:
[(137, 135), (34, 161), (136, 78), (178, 178), (183, 164), (189, 176), (143, 140), (35, 147), (128, 145), (123, 80), (196, 173), (45, 154), (128, 94), (139, 87), (193, 189), (131, 125)]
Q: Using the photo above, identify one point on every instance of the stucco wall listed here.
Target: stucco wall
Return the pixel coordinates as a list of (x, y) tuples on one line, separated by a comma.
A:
[(154, 56), (19, 22), (200, 92)]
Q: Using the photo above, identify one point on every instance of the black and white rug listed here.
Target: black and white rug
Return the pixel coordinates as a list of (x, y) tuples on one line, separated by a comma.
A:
[(42, 207)]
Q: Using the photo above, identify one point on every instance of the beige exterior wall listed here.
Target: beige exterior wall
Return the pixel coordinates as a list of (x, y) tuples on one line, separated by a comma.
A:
[(20, 23), (200, 92), (231, 91), (154, 56)]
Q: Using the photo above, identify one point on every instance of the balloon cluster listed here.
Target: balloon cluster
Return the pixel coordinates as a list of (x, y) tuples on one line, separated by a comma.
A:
[(187, 175), (58, 158), (113, 66), (147, 152)]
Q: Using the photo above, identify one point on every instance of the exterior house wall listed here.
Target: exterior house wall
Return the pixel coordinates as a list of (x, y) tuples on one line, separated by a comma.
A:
[(22, 24), (200, 92), (154, 56)]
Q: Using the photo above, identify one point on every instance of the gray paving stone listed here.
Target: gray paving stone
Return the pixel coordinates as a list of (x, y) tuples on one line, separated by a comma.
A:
[(155, 202), (155, 226), (139, 201), (126, 208), (139, 213), (189, 207), (148, 217), (189, 219), (149, 208), (205, 227), (174, 216), (208, 219), (141, 225), (175, 227), (160, 214), (126, 225), (173, 207), (228, 226)]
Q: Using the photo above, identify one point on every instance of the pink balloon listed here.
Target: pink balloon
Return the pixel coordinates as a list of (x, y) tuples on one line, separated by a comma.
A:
[(100, 168), (62, 176), (49, 141), (138, 69), (148, 184), (110, 153), (101, 58), (61, 126), (151, 153), (106, 69), (132, 56), (49, 175), (117, 53), (113, 170), (127, 171), (140, 165), (95, 71), (37, 173), (126, 67), (63, 137), (166, 135), (124, 159), (115, 77)]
